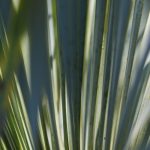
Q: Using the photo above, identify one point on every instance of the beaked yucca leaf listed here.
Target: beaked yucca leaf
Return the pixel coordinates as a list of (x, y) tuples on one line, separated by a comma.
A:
[(74, 74)]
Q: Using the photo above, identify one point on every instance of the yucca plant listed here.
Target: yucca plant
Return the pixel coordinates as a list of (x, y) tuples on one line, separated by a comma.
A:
[(75, 74)]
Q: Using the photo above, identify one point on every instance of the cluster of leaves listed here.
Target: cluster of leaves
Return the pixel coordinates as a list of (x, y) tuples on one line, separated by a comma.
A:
[(75, 74)]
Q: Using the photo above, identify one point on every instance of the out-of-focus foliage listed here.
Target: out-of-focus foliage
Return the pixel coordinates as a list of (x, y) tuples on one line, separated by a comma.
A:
[(75, 74)]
